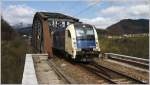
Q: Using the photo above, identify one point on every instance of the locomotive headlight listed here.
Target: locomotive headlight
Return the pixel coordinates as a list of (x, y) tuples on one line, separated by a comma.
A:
[(78, 49), (96, 44), (75, 44), (97, 47), (94, 49)]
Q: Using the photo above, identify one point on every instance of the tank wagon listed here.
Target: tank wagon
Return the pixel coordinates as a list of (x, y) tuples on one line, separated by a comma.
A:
[(55, 33)]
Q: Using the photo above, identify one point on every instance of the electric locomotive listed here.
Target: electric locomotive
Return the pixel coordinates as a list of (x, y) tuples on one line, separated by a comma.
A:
[(78, 41)]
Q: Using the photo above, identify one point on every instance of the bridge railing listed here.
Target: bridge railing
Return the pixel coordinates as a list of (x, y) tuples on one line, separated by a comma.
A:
[(113, 55)]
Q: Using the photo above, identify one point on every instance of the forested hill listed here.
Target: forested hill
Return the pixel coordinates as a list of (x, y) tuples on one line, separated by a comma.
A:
[(7, 32), (125, 26), (13, 50), (25, 30), (129, 26)]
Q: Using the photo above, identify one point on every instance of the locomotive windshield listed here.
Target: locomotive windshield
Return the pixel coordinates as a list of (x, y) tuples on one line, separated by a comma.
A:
[(84, 32), (85, 36)]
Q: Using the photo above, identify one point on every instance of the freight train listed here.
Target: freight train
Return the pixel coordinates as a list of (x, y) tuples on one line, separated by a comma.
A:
[(78, 41)]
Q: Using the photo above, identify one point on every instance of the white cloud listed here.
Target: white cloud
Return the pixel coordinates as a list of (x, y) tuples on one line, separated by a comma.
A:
[(15, 14), (112, 10), (92, 2), (139, 10), (119, 9), (136, 11), (99, 22), (113, 14), (130, 2)]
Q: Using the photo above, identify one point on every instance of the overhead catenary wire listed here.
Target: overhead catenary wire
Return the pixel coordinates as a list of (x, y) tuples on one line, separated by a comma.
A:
[(79, 13)]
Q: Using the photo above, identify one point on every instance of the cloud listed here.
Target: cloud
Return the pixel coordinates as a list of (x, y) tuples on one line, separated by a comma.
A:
[(92, 2), (15, 14), (133, 2), (112, 10), (135, 11), (114, 13), (139, 10), (99, 22)]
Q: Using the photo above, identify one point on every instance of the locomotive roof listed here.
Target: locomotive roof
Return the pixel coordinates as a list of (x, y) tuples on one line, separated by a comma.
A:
[(82, 25), (58, 16)]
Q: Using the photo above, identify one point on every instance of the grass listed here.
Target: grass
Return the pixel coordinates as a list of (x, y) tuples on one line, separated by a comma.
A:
[(13, 58), (132, 46)]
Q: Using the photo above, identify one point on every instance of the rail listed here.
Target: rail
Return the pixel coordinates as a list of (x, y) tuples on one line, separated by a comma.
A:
[(144, 63), (128, 57), (61, 74), (112, 76), (117, 72), (98, 73)]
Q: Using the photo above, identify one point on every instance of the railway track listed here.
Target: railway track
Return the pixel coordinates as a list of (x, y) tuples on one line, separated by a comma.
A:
[(110, 75), (132, 62), (61, 74), (138, 62)]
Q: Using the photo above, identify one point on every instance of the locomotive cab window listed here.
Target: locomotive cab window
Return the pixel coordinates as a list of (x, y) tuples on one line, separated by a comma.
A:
[(80, 32), (85, 36), (89, 32), (85, 33)]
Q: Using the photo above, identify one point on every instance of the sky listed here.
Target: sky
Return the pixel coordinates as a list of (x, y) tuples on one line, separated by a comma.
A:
[(101, 13)]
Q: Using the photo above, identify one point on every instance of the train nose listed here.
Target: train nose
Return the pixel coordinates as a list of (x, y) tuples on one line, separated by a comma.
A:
[(86, 44)]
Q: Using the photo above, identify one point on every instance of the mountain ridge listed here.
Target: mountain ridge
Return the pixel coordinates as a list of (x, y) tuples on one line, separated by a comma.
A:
[(125, 26), (129, 26), (7, 32)]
